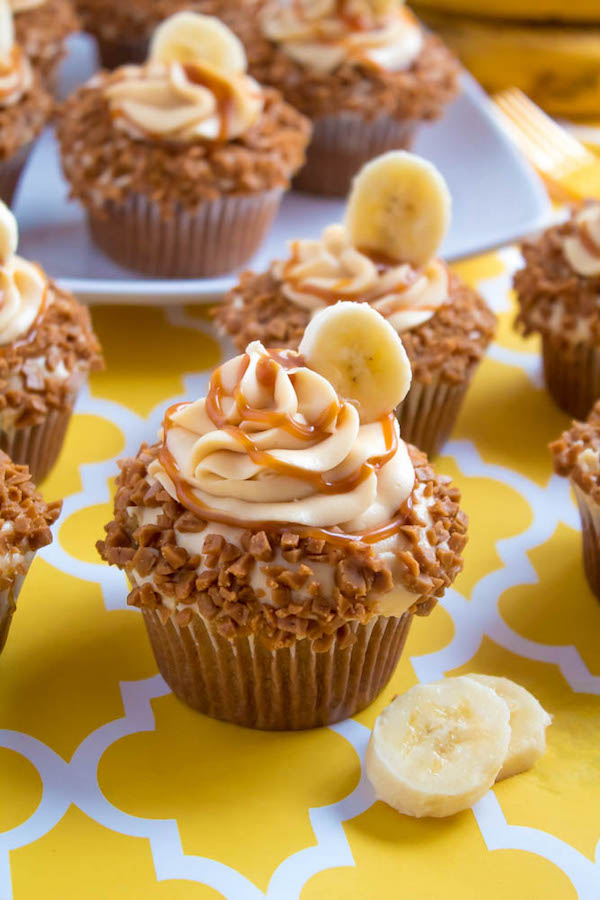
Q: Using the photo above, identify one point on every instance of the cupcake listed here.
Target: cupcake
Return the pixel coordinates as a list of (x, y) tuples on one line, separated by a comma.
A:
[(364, 71), (42, 28), (181, 163), (577, 457), (557, 292), (25, 521), (25, 106), (47, 348), (384, 254), (280, 536)]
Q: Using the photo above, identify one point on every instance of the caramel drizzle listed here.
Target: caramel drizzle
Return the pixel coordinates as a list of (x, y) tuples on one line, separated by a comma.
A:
[(587, 239), (266, 372), (31, 333)]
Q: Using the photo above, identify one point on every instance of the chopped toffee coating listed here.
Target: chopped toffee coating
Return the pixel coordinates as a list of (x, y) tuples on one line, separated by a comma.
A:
[(218, 581), (42, 32), (62, 339), (548, 282), (419, 92), (568, 449), (448, 346), (103, 163), (25, 519), (21, 122)]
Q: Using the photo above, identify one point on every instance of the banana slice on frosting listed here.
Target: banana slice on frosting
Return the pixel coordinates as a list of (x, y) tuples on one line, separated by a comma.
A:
[(9, 234), (361, 355), (399, 208), (189, 37), (528, 723), (438, 748)]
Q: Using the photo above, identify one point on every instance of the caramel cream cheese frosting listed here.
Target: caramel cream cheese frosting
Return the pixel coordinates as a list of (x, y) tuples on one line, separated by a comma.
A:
[(582, 249), (23, 285), (19, 6), (322, 34), (16, 76), (193, 86)]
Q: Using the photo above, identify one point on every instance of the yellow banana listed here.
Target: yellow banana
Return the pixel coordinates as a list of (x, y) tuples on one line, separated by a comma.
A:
[(561, 10)]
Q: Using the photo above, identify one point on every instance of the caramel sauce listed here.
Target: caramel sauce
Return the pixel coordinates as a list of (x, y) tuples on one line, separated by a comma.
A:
[(585, 235), (221, 90), (266, 374), (31, 333)]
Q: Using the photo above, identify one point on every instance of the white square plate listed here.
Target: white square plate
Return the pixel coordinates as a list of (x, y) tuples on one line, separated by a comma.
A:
[(496, 195)]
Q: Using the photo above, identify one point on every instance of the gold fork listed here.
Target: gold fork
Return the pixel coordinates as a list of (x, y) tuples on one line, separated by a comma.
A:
[(569, 170)]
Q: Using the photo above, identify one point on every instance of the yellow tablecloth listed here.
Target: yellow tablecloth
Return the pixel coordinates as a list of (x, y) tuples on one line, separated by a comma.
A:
[(111, 788)]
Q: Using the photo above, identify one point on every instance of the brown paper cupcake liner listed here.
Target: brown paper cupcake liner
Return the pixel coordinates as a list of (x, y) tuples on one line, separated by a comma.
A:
[(37, 446), (8, 604), (10, 173), (428, 413), (572, 376), (590, 532), (342, 144), (293, 688), (217, 238), (121, 52)]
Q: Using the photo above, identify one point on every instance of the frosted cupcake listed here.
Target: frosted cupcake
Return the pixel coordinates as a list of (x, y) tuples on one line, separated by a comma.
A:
[(363, 71), (25, 521), (42, 28), (25, 106), (557, 293), (280, 536), (47, 349), (181, 163), (384, 254), (577, 457)]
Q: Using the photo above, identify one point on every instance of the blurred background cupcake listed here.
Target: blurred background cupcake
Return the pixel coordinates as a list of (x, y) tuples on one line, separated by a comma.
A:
[(25, 105), (181, 163), (384, 254), (26, 521), (364, 71), (47, 349), (42, 28), (280, 536)]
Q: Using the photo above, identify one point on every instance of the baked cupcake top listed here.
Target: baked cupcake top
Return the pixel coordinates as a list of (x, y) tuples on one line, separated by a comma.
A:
[(41, 27), (384, 254), (577, 454), (559, 286), (47, 346), (25, 520), (332, 55), (285, 501), (24, 104), (186, 126)]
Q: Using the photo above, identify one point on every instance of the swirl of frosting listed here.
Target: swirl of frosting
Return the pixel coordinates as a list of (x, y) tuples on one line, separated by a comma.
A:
[(22, 284), (273, 443), (321, 272), (16, 76), (582, 249), (19, 6), (322, 34)]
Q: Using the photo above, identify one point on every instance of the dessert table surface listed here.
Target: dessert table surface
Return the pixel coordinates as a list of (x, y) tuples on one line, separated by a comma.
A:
[(110, 787)]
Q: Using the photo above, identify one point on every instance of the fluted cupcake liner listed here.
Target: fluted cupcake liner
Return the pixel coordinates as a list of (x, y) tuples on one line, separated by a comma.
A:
[(8, 604), (590, 532), (428, 413), (341, 144), (37, 446), (572, 375), (293, 688), (217, 238), (10, 173), (120, 52)]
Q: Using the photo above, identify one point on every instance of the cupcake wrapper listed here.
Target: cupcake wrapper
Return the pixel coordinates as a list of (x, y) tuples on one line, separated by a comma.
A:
[(219, 236), (285, 689), (572, 376), (37, 446), (590, 529), (120, 52), (341, 144), (428, 413), (8, 604), (10, 173)]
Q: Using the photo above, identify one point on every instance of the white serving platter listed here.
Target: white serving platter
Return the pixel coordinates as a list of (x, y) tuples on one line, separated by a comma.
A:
[(497, 198)]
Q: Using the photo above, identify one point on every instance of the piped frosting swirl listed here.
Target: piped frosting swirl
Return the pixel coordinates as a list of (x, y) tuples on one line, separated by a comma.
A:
[(16, 76), (582, 249), (23, 285)]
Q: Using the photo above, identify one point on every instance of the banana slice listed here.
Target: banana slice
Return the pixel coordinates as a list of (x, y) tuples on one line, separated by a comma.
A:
[(361, 355), (7, 29), (9, 234), (189, 37), (528, 723), (438, 748), (399, 208)]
